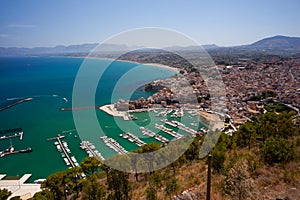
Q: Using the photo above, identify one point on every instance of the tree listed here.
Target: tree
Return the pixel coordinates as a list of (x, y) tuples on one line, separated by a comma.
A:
[(92, 188), (192, 152), (171, 186), (148, 148), (278, 150), (246, 135), (238, 183), (118, 184), (43, 195), (90, 165), (151, 193), (218, 159), (73, 176), (4, 194), (56, 183), (155, 182)]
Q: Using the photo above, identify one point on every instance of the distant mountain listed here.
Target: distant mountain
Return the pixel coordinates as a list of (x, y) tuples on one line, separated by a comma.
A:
[(273, 45), (57, 50), (192, 48), (277, 42)]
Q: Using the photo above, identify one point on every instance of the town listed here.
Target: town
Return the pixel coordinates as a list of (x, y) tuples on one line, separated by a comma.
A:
[(250, 84)]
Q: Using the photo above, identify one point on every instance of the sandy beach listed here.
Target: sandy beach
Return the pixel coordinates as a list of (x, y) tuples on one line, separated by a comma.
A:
[(149, 64), (161, 66)]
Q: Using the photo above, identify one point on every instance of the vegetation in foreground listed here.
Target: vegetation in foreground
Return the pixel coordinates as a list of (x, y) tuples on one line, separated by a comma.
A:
[(260, 161)]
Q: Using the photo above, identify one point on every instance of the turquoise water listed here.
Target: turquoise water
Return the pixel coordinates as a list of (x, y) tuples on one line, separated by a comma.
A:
[(48, 80)]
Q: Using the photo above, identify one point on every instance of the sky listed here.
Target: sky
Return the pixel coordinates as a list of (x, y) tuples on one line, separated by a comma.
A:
[(36, 23)]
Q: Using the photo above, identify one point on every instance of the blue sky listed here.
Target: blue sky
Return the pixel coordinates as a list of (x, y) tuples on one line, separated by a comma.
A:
[(32, 23)]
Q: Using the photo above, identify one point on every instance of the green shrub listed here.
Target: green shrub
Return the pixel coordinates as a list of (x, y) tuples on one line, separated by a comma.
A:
[(278, 150)]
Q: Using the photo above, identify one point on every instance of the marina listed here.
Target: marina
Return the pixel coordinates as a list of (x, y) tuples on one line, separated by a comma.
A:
[(181, 126), (91, 150), (11, 150), (114, 145), (62, 147), (132, 138), (164, 113), (20, 135), (150, 133), (178, 113), (169, 123), (168, 131)]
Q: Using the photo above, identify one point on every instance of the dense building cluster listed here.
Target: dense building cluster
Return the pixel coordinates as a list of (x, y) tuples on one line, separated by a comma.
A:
[(248, 84)]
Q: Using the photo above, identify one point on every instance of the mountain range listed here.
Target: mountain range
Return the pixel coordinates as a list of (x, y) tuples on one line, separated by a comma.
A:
[(273, 44)]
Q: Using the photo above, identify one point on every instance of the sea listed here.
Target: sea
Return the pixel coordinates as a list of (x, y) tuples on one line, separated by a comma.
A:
[(49, 82)]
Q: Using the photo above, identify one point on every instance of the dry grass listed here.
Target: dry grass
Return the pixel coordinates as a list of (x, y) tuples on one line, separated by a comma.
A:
[(271, 181)]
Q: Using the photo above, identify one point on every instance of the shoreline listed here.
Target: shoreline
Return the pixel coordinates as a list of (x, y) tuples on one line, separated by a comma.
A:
[(139, 63)]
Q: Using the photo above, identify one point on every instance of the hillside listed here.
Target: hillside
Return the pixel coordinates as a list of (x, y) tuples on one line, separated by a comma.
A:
[(278, 42)]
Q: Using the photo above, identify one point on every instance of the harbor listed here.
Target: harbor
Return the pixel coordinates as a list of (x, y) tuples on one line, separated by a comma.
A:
[(63, 148), (11, 150), (20, 135), (168, 131), (114, 145), (42, 117), (132, 138), (181, 126), (91, 149), (150, 133)]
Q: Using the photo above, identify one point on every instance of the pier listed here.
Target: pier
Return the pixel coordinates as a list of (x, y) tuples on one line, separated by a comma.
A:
[(114, 145), (20, 134), (66, 153), (79, 108), (11, 151), (181, 126), (91, 150), (168, 131), (16, 103), (132, 138), (154, 135)]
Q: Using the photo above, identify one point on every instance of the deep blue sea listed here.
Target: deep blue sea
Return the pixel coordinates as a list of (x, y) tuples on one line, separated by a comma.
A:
[(48, 80)]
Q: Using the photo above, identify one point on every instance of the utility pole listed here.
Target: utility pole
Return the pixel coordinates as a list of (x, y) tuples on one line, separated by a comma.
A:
[(208, 177)]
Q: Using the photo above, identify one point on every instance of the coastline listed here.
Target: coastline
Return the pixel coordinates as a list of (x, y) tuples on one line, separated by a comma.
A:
[(139, 63)]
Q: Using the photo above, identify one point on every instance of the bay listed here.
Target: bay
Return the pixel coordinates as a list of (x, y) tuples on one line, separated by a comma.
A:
[(48, 80)]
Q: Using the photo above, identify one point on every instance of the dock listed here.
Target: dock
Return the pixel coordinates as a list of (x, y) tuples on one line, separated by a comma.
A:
[(79, 108), (91, 150), (16, 103), (55, 138), (181, 126), (65, 152), (114, 145), (168, 131), (20, 135), (154, 135), (132, 138), (11, 151)]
